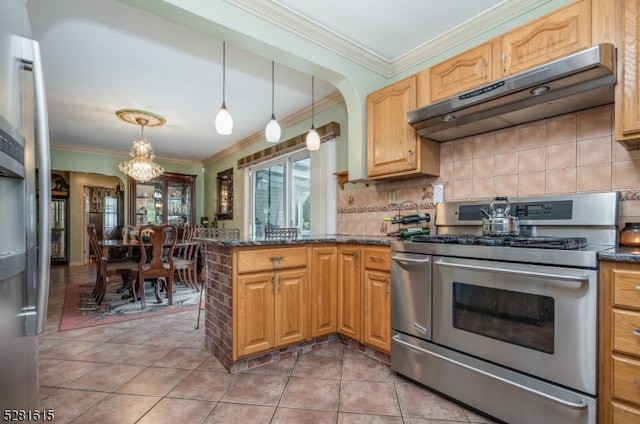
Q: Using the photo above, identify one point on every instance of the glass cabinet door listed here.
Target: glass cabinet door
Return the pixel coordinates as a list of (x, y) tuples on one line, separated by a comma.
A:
[(178, 202), (149, 203), (166, 199)]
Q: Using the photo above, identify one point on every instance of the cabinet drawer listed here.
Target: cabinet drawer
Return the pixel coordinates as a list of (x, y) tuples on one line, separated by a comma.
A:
[(378, 259), (626, 332), (626, 288), (626, 379), (252, 260), (623, 414)]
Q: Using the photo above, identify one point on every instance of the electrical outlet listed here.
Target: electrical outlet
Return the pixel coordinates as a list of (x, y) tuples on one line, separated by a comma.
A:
[(393, 197), (438, 193)]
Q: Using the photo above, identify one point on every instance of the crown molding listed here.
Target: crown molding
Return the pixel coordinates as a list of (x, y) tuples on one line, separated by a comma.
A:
[(297, 24), (117, 153)]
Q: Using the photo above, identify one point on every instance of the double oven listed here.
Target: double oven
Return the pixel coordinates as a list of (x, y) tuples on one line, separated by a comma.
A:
[(506, 324)]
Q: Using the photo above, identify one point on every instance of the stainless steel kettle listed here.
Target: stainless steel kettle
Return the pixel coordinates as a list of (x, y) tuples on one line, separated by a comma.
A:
[(496, 221)]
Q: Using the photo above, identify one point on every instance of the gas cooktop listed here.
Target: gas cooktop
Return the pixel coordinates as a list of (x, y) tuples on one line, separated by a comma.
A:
[(559, 243), (564, 230)]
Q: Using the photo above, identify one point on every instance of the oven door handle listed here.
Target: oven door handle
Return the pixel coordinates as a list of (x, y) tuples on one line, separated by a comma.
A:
[(401, 259), (573, 405), (568, 278)]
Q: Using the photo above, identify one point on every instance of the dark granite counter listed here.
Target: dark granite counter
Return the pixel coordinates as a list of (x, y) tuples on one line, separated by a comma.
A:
[(621, 254), (336, 238)]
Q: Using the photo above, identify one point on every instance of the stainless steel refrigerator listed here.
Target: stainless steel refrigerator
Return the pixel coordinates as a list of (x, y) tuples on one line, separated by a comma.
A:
[(25, 246)]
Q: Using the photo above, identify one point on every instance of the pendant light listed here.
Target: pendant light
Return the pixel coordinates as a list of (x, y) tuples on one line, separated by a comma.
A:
[(224, 122), (313, 139), (272, 132)]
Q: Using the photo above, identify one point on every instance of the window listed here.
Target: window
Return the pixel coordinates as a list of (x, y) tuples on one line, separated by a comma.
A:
[(281, 194), (110, 214)]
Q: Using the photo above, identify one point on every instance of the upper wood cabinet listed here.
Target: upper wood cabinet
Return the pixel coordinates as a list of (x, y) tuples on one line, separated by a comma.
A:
[(557, 34), (393, 146), (462, 72), (627, 104)]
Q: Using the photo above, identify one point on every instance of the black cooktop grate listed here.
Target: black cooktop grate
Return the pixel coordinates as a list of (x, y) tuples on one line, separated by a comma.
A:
[(560, 243)]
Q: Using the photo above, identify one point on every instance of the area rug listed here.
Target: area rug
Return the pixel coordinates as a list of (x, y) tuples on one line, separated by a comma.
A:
[(78, 312)]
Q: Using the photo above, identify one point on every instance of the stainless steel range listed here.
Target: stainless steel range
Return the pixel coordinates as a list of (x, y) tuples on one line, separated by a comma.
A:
[(506, 324)]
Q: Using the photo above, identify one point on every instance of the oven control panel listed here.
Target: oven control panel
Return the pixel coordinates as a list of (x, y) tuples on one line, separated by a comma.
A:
[(545, 210), (560, 209)]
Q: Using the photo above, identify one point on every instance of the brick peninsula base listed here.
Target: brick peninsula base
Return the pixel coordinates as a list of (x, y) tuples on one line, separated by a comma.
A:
[(219, 317)]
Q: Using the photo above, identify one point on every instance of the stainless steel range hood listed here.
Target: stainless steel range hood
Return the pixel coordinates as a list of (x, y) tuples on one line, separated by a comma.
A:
[(576, 82)]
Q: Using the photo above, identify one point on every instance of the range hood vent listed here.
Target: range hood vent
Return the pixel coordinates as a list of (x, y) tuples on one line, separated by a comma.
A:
[(576, 82)]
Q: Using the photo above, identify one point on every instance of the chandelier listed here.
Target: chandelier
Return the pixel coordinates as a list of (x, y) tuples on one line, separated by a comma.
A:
[(142, 167)]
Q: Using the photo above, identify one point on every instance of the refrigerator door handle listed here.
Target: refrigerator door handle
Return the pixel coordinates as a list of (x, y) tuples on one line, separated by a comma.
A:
[(44, 187)]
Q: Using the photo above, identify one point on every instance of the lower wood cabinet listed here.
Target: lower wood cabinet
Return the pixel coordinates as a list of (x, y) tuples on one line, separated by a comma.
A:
[(619, 394), (271, 307), (364, 286), (290, 294), (324, 294)]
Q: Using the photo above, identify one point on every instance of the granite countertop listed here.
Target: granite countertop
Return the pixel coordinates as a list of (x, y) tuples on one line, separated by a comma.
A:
[(620, 254), (323, 238)]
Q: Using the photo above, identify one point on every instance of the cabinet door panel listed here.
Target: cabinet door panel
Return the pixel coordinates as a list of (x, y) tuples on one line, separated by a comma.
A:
[(255, 313), (251, 260), (377, 258), (460, 73), (626, 373), (324, 296), (627, 102), (349, 276), (626, 288), (626, 332), (558, 34), (291, 314), (391, 141), (377, 310)]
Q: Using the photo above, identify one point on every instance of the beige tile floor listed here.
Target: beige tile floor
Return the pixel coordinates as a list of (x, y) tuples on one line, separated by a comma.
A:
[(156, 370)]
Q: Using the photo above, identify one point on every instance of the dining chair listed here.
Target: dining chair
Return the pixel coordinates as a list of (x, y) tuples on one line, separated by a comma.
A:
[(187, 232), (105, 269), (156, 261), (185, 262)]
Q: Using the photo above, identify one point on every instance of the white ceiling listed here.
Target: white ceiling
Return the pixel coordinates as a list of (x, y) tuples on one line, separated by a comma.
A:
[(103, 55)]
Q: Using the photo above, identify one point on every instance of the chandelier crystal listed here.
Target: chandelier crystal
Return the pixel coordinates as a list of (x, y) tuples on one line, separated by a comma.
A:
[(142, 167)]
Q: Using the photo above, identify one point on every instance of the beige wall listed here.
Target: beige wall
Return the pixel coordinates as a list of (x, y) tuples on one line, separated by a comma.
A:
[(573, 153)]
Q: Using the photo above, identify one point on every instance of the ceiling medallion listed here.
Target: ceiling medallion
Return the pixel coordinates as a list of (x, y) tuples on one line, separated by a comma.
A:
[(142, 167)]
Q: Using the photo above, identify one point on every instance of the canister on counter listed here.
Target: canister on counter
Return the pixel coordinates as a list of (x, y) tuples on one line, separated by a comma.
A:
[(630, 235)]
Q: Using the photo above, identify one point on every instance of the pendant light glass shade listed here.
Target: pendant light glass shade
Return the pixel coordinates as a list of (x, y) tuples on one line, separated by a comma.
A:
[(224, 122), (272, 132), (313, 139)]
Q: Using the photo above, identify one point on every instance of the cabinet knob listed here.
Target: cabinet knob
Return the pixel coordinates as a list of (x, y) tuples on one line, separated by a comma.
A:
[(636, 332), (638, 288)]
